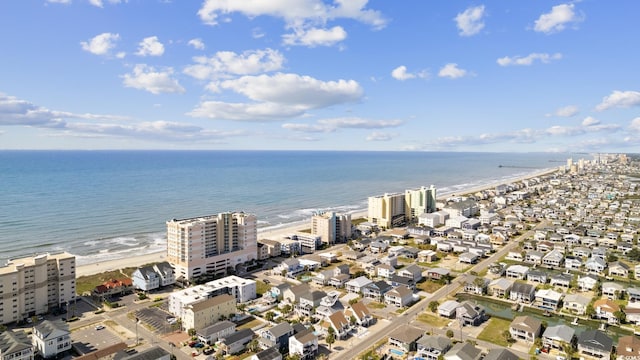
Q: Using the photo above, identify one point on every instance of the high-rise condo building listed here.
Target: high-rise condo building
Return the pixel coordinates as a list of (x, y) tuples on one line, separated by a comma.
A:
[(36, 285), (331, 227), (211, 244), (419, 201), (387, 210)]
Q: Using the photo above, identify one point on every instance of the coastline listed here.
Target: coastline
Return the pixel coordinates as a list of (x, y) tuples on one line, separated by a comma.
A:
[(280, 231)]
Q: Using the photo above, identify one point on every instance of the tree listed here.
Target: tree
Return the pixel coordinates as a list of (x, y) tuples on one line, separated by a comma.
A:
[(620, 316), (590, 311), (634, 254), (283, 273), (353, 320), (507, 336), (286, 309), (450, 334), (354, 300), (191, 332), (611, 257), (331, 337), (433, 306), (253, 345), (270, 315)]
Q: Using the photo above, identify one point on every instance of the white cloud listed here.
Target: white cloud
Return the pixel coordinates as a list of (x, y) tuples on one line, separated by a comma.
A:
[(257, 33), (121, 55), (226, 63), (100, 44), (146, 78), (197, 44), (618, 98), (379, 136), (566, 111), (529, 59), (150, 46), (557, 19), (333, 124), (590, 121), (470, 21), (100, 3), (278, 96), (400, 73), (293, 12), (315, 37), (635, 124), (452, 71)]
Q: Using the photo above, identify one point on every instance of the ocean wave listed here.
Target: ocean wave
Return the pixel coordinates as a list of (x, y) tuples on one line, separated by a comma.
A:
[(116, 255)]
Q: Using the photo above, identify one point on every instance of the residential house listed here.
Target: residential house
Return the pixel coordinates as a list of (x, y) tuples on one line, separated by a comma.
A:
[(276, 336), (618, 268), (376, 290), (587, 282), (378, 247), (628, 348), (437, 273), (553, 258), (277, 291), (267, 354), (339, 281), (612, 290), (145, 278), (411, 271), (213, 333), (293, 293), (476, 285), (355, 286), (399, 296), (361, 313), (557, 337), (427, 256), (152, 353), (561, 280), (522, 292), (51, 338), (634, 294), (576, 303), (448, 308), (237, 341), (322, 278), (525, 328), (468, 258), (338, 322), (463, 351), (517, 272), (501, 287), (606, 309), (290, 267), (405, 338), (501, 354), (431, 347), (548, 299), (537, 276), (581, 252), (515, 255), (469, 313), (385, 271), (533, 257), (632, 315), (15, 345), (304, 344), (594, 343), (113, 287), (595, 265), (396, 280)]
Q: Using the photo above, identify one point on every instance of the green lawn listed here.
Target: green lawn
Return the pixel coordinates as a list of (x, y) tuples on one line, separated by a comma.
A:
[(261, 287), (493, 331), (432, 319), (429, 286)]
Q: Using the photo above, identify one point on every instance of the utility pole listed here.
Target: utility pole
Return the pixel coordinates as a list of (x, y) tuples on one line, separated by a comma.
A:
[(137, 320)]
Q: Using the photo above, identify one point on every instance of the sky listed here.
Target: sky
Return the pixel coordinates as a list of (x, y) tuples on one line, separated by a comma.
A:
[(439, 75)]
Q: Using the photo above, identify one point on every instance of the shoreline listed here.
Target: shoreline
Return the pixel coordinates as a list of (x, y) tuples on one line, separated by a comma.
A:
[(282, 230)]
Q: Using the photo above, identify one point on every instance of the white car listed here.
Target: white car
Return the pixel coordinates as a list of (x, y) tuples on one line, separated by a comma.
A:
[(100, 327)]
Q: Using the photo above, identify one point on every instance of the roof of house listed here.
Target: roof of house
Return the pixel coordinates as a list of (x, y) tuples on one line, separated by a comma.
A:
[(412, 268), (338, 320), (628, 346), (463, 351), (500, 354), (305, 336), (359, 281), (595, 339), (401, 291), (153, 353), (434, 342), (527, 323), (281, 329), (606, 305), (360, 309), (216, 328), (13, 341), (314, 296), (522, 288), (269, 354), (238, 336), (559, 332), (577, 298), (52, 329), (406, 334), (449, 305), (300, 290)]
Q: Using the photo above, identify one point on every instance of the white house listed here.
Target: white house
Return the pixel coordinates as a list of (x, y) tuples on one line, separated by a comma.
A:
[(51, 338)]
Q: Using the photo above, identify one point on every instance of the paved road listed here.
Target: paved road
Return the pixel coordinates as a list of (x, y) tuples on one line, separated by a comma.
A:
[(405, 318)]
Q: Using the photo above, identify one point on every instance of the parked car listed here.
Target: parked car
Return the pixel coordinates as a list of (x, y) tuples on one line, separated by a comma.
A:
[(100, 327)]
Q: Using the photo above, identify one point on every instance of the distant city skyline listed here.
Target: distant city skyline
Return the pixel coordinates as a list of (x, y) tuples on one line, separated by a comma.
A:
[(527, 76)]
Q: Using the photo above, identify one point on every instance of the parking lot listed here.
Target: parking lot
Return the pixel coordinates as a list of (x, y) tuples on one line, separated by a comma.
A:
[(89, 339), (155, 319)]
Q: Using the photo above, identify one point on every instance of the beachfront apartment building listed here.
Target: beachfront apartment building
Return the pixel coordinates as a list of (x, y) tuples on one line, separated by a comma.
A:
[(386, 211), (331, 227), (36, 285), (419, 201), (211, 244)]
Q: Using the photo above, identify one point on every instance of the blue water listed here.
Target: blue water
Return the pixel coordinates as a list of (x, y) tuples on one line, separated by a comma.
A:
[(105, 204)]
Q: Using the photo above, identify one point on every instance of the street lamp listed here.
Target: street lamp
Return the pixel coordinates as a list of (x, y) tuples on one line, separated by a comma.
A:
[(137, 320)]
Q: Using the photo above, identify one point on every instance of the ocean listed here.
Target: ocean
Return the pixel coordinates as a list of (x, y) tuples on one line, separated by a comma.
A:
[(101, 205)]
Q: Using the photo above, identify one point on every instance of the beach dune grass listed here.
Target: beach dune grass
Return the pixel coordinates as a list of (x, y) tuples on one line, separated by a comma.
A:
[(88, 283)]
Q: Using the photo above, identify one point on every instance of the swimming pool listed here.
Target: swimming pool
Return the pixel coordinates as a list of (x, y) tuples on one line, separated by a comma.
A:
[(396, 352)]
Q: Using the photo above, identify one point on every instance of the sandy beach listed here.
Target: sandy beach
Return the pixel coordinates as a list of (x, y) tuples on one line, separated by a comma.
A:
[(269, 233)]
